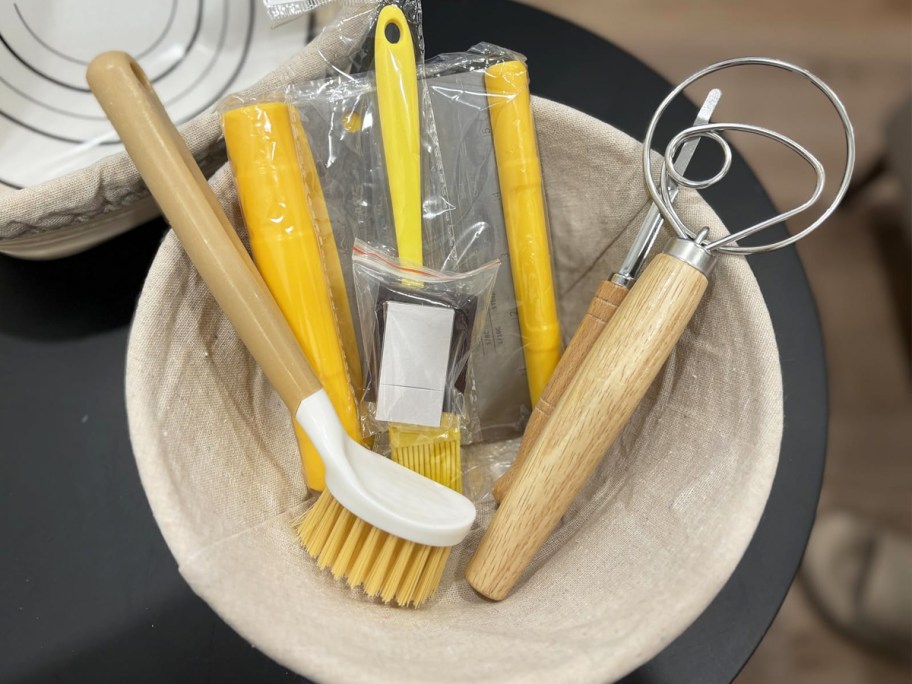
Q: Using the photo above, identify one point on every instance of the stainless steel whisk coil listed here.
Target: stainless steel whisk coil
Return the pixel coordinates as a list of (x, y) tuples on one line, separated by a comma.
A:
[(662, 194)]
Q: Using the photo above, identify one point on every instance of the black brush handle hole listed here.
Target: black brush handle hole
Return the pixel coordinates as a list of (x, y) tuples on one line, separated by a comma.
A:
[(392, 33)]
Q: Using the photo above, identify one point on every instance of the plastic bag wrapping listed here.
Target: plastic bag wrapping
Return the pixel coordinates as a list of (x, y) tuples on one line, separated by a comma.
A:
[(341, 118), (283, 11), (483, 464), (466, 197), (480, 102), (336, 18), (418, 329), (294, 250), (463, 206)]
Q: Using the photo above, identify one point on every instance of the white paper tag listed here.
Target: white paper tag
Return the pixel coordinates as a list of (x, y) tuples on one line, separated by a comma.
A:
[(413, 364)]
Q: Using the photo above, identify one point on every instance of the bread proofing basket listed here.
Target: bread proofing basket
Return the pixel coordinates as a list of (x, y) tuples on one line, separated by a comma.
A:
[(642, 552)]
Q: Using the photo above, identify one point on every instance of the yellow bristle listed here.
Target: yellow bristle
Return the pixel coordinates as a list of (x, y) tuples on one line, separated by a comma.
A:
[(457, 469), (387, 566), (340, 532), (367, 557), (317, 523), (432, 452), (397, 571), (410, 579), (350, 549), (375, 579), (430, 576)]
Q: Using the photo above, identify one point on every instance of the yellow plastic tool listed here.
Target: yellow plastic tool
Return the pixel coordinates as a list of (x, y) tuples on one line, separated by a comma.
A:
[(397, 98), (331, 263), (294, 250), (520, 176), (432, 452)]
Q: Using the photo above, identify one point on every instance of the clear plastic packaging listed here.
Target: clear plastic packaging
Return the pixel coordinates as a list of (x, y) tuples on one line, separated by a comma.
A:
[(294, 249), (474, 209), (419, 328), (341, 117), (350, 23), (481, 105)]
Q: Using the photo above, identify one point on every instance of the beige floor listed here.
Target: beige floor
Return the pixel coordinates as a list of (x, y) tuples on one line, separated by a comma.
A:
[(864, 51)]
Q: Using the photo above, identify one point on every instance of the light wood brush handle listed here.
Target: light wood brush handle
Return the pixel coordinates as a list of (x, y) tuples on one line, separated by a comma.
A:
[(187, 201), (602, 307), (601, 397)]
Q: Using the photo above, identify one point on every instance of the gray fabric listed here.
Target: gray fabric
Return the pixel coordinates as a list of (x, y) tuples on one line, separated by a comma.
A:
[(642, 552), (112, 185)]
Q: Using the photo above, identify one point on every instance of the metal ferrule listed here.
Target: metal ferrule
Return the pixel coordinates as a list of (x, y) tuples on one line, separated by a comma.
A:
[(691, 253), (622, 280)]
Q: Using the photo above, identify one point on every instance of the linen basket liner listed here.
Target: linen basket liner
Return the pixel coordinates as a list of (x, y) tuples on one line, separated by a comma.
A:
[(640, 554)]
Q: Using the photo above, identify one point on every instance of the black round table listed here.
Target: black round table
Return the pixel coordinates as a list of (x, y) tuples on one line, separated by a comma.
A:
[(88, 589)]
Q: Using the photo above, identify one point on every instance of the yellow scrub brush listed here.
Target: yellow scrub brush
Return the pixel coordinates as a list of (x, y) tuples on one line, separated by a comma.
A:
[(294, 250), (432, 450), (379, 525)]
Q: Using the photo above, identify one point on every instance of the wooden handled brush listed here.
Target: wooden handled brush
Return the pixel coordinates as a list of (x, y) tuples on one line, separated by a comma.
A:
[(600, 398), (379, 525)]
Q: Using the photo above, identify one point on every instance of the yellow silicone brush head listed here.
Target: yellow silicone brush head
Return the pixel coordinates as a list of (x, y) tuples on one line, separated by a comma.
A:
[(434, 452), (381, 564)]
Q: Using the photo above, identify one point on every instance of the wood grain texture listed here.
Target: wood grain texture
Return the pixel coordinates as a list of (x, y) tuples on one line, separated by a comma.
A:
[(601, 397), (192, 209), (602, 307)]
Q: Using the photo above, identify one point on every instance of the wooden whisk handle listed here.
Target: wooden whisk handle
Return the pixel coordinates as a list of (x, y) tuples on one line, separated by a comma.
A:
[(602, 307), (601, 397)]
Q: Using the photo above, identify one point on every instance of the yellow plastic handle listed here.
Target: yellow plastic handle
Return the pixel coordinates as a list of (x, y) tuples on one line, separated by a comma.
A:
[(519, 172), (291, 252), (397, 97)]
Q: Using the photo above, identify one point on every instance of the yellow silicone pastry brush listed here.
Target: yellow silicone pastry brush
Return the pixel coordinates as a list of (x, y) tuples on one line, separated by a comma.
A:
[(520, 177), (379, 525), (432, 451), (294, 250)]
